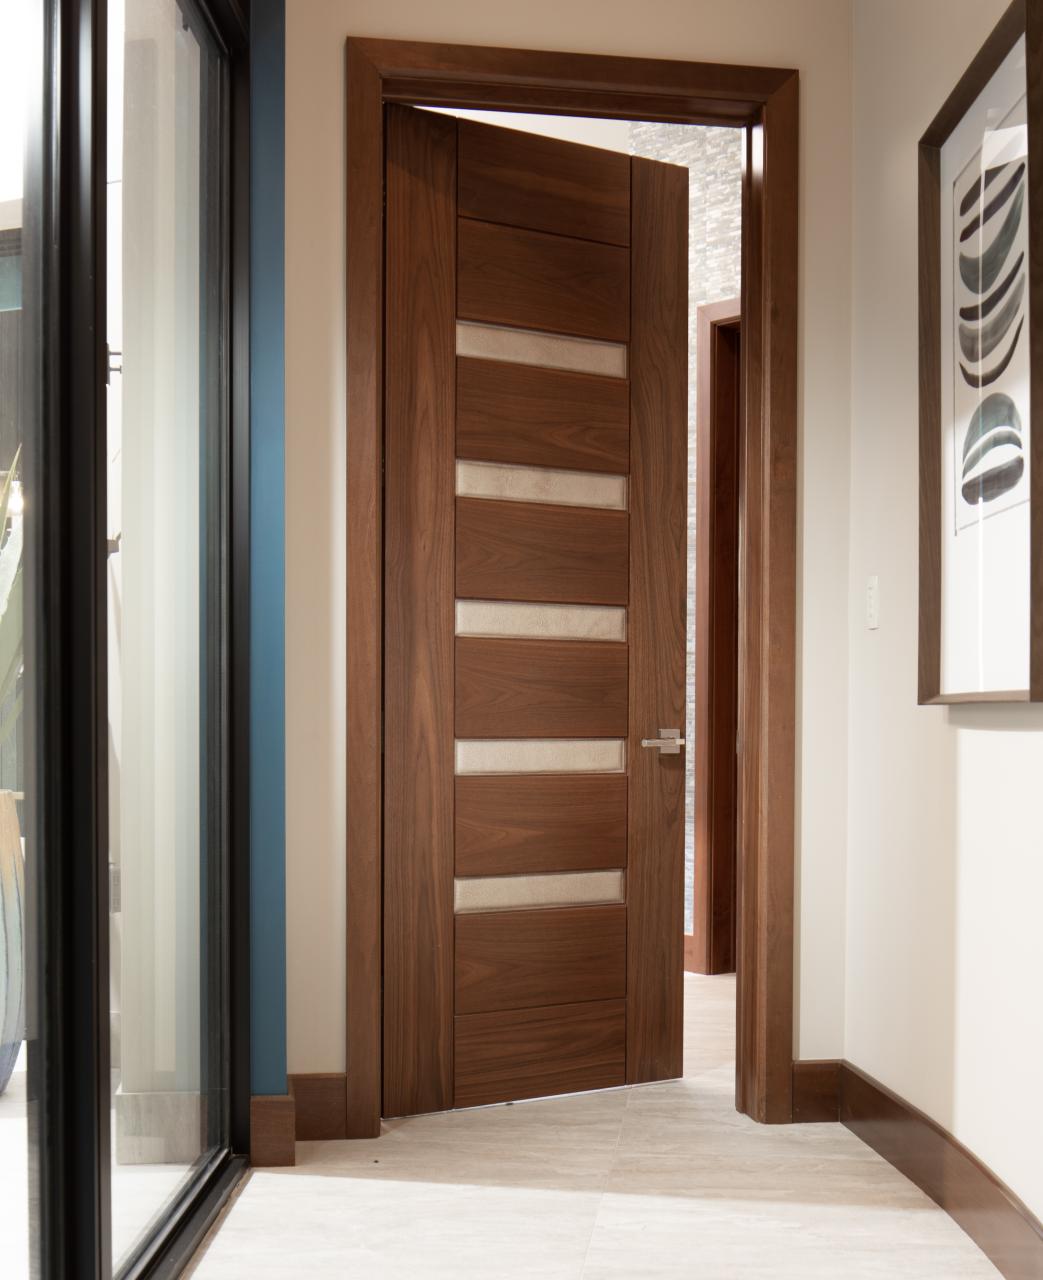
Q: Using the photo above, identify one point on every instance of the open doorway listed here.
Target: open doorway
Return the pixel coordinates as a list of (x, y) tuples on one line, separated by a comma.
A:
[(763, 103), (714, 160)]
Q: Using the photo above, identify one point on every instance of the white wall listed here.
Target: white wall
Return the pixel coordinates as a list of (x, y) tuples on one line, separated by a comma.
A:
[(811, 35), (945, 873)]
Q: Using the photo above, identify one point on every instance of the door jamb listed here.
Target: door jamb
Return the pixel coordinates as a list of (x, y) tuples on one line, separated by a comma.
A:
[(710, 947), (764, 101)]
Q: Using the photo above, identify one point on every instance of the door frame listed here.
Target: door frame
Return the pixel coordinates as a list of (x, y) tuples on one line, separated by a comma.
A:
[(765, 102), (711, 946)]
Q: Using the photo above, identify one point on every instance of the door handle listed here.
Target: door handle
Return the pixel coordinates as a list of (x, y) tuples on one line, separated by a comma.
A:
[(669, 742)]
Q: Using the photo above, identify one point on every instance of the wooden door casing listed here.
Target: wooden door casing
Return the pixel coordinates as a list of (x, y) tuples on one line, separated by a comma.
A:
[(765, 103), (588, 995)]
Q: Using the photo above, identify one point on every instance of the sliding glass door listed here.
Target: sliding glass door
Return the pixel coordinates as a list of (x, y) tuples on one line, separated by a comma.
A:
[(167, 543), (21, 326), (123, 982)]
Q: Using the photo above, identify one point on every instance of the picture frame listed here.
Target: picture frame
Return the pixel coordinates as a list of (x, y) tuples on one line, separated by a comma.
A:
[(981, 376)]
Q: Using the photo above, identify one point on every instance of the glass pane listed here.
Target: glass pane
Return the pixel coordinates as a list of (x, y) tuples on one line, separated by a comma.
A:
[(165, 626), (21, 93)]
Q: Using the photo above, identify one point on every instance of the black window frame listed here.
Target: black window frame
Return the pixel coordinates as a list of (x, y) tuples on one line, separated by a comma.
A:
[(65, 643)]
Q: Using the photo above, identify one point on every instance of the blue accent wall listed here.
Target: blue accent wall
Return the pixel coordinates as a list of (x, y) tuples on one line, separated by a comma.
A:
[(267, 552)]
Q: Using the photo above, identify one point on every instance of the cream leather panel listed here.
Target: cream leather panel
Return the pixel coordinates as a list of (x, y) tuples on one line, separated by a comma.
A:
[(549, 350), (519, 893), (539, 755)]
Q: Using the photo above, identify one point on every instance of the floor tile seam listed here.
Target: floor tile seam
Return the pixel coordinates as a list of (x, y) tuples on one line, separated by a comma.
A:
[(608, 1180)]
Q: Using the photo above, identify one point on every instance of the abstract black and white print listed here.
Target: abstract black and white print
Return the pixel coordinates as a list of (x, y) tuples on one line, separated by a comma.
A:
[(990, 338)]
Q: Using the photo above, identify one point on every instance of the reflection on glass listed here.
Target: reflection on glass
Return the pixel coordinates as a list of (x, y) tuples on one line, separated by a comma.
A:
[(21, 34), (164, 710)]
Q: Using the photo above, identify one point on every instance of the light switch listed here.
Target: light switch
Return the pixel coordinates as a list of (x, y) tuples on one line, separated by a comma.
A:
[(873, 603)]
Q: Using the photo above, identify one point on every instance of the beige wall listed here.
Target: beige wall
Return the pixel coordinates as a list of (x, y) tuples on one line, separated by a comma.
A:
[(945, 873), (940, 941), (815, 37)]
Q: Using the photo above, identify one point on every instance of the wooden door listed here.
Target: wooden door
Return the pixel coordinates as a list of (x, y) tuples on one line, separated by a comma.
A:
[(535, 526)]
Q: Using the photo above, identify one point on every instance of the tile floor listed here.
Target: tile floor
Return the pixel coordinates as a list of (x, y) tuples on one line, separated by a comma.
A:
[(139, 1191), (662, 1180)]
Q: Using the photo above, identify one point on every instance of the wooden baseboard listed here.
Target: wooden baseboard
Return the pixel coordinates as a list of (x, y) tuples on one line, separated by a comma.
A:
[(272, 1131), (998, 1222), (816, 1091), (321, 1105)]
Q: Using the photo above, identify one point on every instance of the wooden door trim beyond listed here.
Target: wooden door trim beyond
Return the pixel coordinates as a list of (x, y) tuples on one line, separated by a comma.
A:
[(710, 947), (764, 101)]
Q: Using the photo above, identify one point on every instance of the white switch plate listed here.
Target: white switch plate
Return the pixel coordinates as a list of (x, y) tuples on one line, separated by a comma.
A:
[(873, 603)]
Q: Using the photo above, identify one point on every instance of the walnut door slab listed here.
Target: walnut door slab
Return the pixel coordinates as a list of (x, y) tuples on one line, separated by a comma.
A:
[(526, 959), (518, 825), (540, 417), (540, 689), (531, 280), (530, 1053), (532, 551), (491, 1004), (656, 635)]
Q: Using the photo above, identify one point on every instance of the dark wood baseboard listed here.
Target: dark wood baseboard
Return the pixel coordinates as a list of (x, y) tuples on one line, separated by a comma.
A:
[(999, 1223), (272, 1131), (816, 1091), (321, 1100)]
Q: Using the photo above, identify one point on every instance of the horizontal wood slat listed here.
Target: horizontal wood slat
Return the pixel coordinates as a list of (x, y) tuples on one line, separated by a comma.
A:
[(540, 688), (541, 417), (544, 184), (531, 1053), (516, 825), (524, 959), (531, 280), (534, 551)]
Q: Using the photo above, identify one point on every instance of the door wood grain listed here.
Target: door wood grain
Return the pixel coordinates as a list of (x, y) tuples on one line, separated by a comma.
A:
[(540, 689), (517, 825), (531, 280), (418, 593), (544, 184), (525, 959), (538, 417), (531, 1053), (658, 505), (534, 551)]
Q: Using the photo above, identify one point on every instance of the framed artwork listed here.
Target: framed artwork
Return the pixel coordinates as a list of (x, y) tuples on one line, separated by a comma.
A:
[(981, 341)]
